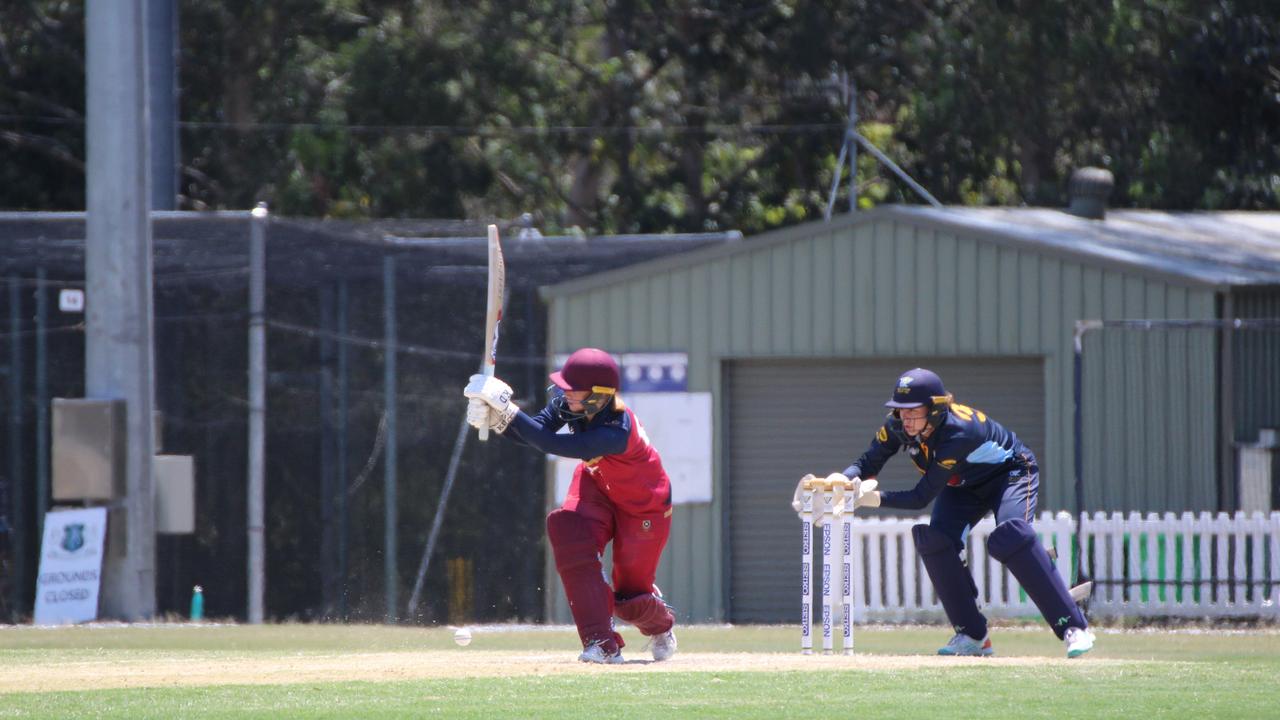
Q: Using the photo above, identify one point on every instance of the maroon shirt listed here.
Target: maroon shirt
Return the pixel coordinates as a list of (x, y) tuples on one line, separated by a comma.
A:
[(615, 452)]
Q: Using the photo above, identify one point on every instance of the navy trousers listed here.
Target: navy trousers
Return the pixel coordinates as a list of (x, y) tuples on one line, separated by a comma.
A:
[(957, 509)]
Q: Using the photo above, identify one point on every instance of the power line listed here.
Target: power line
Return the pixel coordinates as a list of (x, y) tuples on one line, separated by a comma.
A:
[(473, 131), (203, 317), (35, 283), (161, 276), (410, 349), (78, 327), (305, 331)]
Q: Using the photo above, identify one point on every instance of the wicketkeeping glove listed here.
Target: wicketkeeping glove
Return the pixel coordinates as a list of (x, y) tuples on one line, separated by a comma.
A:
[(840, 498), (797, 500), (865, 493)]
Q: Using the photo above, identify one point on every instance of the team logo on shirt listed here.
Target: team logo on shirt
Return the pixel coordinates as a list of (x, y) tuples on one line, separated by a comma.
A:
[(882, 435), (948, 464)]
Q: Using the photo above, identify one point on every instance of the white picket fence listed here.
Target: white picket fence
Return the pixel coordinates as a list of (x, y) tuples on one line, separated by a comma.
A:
[(1188, 565)]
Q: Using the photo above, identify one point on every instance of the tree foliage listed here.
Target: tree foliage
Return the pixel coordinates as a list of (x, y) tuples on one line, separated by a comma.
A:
[(654, 115), (42, 150)]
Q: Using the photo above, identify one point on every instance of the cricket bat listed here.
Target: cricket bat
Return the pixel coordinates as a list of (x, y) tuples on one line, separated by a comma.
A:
[(493, 310)]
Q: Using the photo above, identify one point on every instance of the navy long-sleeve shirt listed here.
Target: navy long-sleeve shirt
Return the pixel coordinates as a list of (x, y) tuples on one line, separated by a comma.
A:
[(605, 433), (967, 449), (615, 452)]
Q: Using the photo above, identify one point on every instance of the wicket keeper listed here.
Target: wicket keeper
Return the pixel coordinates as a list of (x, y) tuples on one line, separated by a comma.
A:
[(970, 465)]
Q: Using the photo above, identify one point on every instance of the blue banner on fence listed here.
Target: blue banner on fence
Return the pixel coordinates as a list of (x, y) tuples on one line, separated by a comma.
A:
[(655, 372)]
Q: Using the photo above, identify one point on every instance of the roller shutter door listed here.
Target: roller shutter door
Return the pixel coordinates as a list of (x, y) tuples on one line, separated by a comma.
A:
[(787, 418)]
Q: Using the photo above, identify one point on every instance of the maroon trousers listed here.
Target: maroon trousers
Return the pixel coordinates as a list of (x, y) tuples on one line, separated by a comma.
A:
[(579, 531)]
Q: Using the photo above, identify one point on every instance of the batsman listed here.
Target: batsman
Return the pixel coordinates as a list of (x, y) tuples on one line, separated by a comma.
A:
[(620, 492), (970, 465)]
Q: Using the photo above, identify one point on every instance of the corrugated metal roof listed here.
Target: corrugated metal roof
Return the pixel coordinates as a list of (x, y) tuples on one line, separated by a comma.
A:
[(1217, 249)]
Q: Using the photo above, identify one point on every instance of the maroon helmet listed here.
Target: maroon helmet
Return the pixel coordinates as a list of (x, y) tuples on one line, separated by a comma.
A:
[(589, 369)]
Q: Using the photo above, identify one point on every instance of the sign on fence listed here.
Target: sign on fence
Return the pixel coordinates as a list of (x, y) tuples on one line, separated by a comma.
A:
[(70, 566)]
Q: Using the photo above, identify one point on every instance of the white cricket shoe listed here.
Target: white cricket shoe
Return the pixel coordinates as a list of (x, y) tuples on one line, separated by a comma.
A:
[(962, 644), (1078, 641), (595, 653), (663, 645)]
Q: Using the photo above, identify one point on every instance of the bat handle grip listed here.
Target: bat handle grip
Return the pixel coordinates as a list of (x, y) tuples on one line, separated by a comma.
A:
[(483, 433)]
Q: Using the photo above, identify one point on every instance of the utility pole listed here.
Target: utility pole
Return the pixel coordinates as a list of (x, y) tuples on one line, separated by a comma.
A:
[(848, 148), (255, 518), (119, 351)]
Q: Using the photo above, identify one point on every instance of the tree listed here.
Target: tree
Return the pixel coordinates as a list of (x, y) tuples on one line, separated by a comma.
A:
[(42, 106), (653, 115)]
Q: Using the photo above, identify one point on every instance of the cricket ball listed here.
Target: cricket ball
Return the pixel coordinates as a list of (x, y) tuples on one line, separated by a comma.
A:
[(462, 636)]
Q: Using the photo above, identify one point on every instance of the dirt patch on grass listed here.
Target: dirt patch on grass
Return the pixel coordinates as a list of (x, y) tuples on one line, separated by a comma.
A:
[(182, 670)]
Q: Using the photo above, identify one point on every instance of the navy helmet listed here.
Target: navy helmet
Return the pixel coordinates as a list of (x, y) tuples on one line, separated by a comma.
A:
[(588, 369), (918, 388)]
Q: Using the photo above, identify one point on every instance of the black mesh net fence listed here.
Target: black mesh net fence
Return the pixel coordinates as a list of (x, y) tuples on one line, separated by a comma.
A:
[(330, 430)]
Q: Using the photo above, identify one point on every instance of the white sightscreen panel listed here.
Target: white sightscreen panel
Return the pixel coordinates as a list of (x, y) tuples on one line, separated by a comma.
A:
[(679, 426)]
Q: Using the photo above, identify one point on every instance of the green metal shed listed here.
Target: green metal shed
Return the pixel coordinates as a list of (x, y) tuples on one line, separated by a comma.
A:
[(800, 334)]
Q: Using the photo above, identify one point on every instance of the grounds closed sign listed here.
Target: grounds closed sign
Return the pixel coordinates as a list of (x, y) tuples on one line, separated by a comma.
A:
[(70, 566)]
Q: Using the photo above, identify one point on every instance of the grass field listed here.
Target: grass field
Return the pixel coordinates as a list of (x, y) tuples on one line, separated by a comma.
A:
[(334, 671)]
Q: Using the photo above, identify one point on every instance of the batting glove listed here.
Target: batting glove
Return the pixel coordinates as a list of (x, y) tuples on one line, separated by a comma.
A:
[(491, 390), (500, 419), (478, 413)]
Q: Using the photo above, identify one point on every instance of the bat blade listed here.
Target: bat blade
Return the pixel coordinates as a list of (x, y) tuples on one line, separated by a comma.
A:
[(493, 309)]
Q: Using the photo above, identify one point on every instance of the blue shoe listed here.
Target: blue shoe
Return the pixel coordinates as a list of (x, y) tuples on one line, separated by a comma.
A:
[(962, 644), (1078, 640)]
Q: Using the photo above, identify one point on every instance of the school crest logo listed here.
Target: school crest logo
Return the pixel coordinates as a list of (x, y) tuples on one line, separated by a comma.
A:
[(73, 537), (904, 384), (948, 463)]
